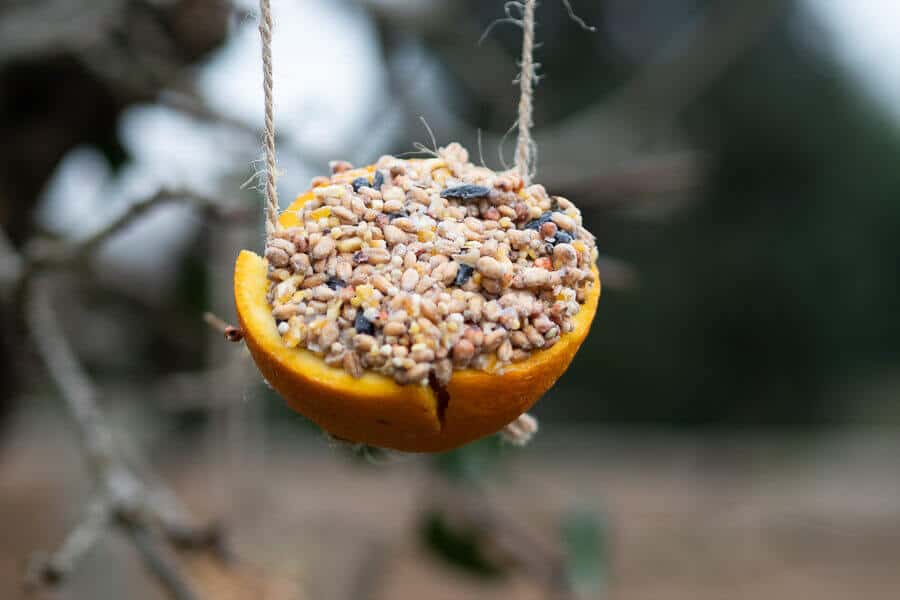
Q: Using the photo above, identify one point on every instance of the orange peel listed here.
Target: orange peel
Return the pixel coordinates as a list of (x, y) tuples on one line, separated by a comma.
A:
[(376, 410)]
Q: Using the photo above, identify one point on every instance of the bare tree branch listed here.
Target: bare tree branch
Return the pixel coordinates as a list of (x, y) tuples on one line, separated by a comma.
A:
[(52, 569), (135, 507)]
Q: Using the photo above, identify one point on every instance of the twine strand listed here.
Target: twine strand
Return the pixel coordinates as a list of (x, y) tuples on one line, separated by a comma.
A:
[(271, 172), (525, 144)]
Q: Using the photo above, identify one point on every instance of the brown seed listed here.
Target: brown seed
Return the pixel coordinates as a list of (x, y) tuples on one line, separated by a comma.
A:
[(519, 340), (300, 263), (548, 229), (363, 342), (339, 166), (443, 370), (329, 334), (563, 221), (283, 312), (377, 256), (323, 248), (352, 365), (564, 255), (394, 328), (418, 372), (277, 257), (493, 339), (313, 281), (446, 273), (491, 267), (534, 338), (463, 352), (344, 214), (394, 235), (504, 352), (409, 280)]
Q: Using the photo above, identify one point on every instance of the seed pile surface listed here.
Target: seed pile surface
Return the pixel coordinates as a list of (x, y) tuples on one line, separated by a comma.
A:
[(424, 266)]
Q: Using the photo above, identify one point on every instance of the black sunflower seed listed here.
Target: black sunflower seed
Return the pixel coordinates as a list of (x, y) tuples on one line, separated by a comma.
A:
[(536, 224), (358, 183), (562, 237), (335, 283), (363, 325), (378, 181), (463, 274), (466, 192)]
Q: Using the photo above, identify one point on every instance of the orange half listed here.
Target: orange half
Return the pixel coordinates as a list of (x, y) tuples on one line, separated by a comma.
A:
[(375, 409)]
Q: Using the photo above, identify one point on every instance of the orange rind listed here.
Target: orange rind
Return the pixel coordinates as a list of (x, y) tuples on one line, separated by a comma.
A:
[(376, 410)]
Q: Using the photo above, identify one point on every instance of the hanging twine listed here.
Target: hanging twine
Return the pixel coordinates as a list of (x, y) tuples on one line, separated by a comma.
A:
[(521, 430), (525, 145), (265, 34)]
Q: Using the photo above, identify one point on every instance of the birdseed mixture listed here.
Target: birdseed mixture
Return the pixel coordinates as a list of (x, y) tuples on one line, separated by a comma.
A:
[(424, 266)]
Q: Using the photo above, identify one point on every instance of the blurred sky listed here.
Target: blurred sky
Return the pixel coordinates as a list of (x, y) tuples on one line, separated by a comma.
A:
[(328, 87)]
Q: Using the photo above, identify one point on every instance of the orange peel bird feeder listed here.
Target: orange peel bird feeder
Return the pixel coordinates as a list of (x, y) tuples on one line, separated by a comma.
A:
[(417, 304)]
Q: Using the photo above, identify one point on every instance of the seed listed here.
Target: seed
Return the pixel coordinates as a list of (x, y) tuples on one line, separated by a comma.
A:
[(534, 338), (562, 237), (284, 312), (329, 334), (334, 283), (493, 339), (519, 339), (443, 370), (394, 328), (418, 372), (344, 214), (536, 223), (548, 229), (563, 221), (352, 365), (277, 257), (348, 245), (504, 352), (491, 286), (339, 166), (378, 256), (534, 277), (313, 281), (378, 180), (448, 272), (564, 255), (491, 214), (466, 192), (323, 248), (409, 280), (364, 325), (464, 273), (491, 267), (393, 235), (421, 353), (463, 351), (519, 355)]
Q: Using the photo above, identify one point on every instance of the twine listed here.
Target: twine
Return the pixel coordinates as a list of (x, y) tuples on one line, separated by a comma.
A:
[(525, 145), (265, 34)]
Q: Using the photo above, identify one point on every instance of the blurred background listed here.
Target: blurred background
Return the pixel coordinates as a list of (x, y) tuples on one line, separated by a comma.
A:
[(729, 428)]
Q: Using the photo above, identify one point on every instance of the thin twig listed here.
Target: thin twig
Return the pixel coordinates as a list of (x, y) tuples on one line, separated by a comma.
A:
[(129, 500), (52, 569), (44, 254), (231, 333), (159, 561)]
